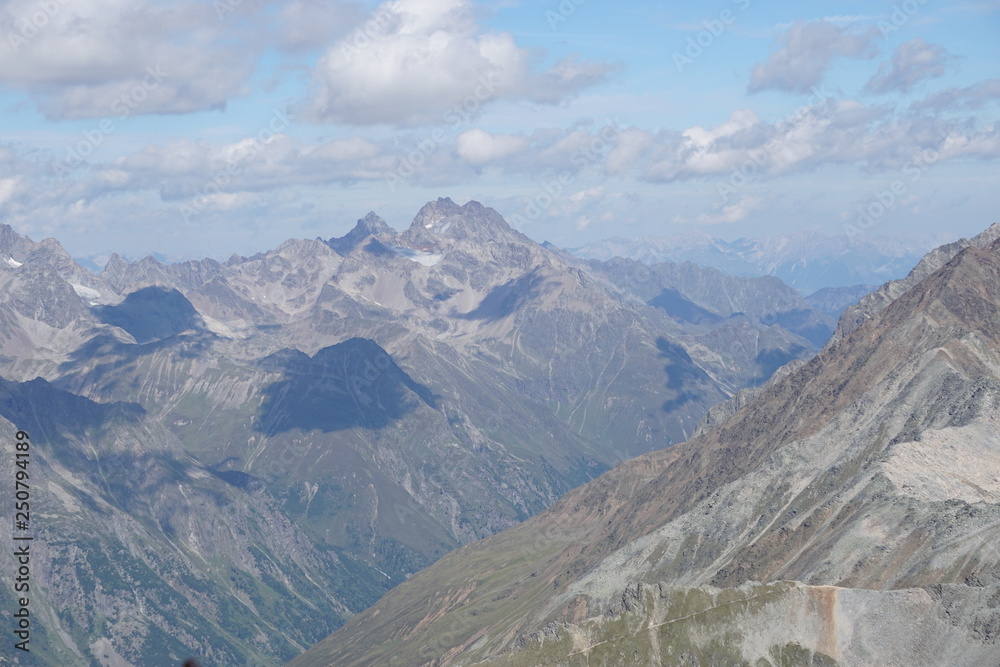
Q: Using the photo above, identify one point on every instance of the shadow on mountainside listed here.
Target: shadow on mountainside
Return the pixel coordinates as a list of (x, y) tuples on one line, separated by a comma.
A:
[(682, 374), (682, 309), (151, 313), (354, 383), (504, 299)]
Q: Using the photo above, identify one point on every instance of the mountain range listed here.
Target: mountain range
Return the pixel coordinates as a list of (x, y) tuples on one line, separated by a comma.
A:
[(806, 260), (845, 513), (233, 458)]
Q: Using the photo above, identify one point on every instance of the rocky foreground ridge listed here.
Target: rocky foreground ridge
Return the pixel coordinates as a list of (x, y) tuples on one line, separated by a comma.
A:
[(848, 514)]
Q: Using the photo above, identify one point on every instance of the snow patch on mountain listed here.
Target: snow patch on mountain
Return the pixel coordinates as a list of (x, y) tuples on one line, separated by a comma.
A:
[(418, 256), (85, 292)]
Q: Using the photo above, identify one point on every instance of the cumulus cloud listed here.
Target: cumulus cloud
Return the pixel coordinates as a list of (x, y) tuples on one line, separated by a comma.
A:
[(806, 51), (94, 58), (266, 172), (833, 132), (478, 147), (185, 169), (629, 145), (699, 150), (736, 211), (971, 97), (914, 61), (419, 59), (220, 176), (304, 25)]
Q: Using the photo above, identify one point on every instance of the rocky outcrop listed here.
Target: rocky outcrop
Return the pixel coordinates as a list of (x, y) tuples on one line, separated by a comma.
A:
[(873, 303)]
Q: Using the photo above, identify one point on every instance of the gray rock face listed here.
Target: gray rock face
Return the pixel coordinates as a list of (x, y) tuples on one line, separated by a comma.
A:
[(834, 300), (848, 514), (739, 329), (370, 225), (873, 303)]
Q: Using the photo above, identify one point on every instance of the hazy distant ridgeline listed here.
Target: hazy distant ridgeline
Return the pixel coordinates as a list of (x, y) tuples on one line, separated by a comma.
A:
[(807, 261)]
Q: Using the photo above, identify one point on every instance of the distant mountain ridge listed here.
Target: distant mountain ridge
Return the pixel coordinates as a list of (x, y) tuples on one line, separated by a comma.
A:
[(807, 261)]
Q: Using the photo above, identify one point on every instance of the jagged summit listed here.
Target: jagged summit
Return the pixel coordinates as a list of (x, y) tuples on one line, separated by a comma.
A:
[(370, 225), (446, 219), (114, 272), (873, 303), (13, 245)]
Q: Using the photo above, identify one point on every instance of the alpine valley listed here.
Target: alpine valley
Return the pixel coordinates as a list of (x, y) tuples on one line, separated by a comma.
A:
[(230, 460), (845, 513)]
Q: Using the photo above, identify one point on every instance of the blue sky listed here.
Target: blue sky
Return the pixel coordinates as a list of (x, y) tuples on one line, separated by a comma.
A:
[(212, 127)]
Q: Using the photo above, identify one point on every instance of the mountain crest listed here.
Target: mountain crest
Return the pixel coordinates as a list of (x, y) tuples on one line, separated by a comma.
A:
[(370, 225), (872, 304), (13, 245), (446, 219), (115, 271)]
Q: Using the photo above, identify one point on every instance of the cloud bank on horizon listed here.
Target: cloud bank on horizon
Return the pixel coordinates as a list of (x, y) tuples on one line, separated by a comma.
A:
[(200, 128)]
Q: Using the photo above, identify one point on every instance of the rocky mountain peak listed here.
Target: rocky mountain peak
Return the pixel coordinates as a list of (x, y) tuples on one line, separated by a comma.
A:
[(446, 219), (13, 245), (115, 271), (370, 225), (875, 302), (116, 263), (373, 224), (434, 214)]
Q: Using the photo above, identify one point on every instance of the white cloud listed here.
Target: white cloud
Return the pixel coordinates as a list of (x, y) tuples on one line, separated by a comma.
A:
[(735, 212), (699, 150), (477, 146), (914, 61), (310, 24), (834, 132), (578, 198), (629, 145), (343, 150), (184, 169), (93, 58), (973, 97), (9, 189), (807, 50), (424, 59)]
